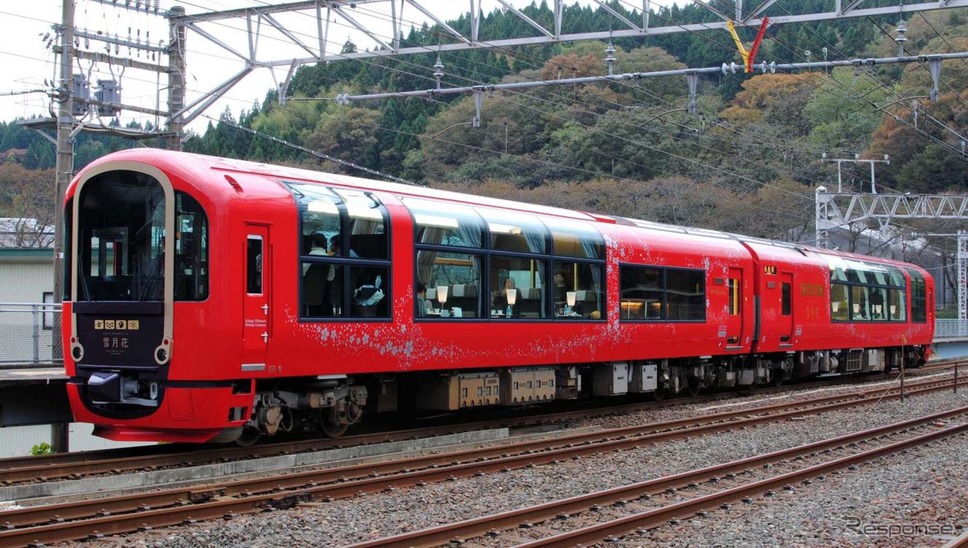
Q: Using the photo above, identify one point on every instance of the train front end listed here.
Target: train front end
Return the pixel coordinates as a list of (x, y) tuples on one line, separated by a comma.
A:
[(137, 249)]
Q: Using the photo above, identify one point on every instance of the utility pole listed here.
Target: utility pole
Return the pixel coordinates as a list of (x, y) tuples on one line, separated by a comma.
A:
[(64, 172), (176, 79)]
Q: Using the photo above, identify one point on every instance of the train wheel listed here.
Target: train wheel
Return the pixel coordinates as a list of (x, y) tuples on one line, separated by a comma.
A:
[(659, 393), (777, 379), (333, 430), (692, 386), (249, 437)]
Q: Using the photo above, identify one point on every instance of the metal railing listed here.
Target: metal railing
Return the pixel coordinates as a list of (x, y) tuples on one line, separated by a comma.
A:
[(28, 333), (950, 329)]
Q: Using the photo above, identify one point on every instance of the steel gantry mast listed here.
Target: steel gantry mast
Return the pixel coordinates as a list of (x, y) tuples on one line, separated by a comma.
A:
[(840, 209), (285, 36)]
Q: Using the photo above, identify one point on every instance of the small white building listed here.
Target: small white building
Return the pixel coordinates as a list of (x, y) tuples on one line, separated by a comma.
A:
[(27, 336), (26, 280)]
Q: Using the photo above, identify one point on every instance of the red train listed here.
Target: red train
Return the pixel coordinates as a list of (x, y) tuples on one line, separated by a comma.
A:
[(212, 299)]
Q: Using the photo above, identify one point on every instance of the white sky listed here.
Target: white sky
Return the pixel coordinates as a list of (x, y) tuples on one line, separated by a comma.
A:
[(26, 61)]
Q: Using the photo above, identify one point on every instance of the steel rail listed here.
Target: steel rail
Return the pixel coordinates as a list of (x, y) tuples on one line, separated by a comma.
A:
[(289, 489), (71, 465), (655, 518), (477, 527)]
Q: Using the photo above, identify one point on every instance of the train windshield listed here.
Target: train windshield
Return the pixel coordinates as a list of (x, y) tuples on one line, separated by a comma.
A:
[(121, 241)]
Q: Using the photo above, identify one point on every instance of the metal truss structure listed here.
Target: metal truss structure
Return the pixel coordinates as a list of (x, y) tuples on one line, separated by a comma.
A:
[(284, 36), (839, 209)]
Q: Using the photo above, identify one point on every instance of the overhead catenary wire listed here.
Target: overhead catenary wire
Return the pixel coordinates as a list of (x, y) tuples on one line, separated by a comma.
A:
[(605, 174)]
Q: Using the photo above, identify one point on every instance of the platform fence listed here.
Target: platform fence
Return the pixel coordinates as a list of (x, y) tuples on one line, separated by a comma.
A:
[(28, 332)]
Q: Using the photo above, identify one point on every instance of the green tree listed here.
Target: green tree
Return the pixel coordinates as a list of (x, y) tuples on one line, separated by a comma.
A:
[(844, 111)]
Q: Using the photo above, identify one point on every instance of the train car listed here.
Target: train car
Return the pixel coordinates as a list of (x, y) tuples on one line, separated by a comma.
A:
[(215, 300)]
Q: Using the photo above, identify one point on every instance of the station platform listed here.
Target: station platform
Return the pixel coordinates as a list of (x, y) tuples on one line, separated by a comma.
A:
[(33, 395)]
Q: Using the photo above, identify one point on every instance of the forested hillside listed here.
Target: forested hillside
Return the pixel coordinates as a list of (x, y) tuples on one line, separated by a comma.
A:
[(747, 160)]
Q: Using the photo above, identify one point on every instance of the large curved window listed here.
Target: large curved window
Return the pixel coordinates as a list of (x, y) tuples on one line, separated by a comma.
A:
[(121, 238), (577, 282), (919, 297), (861, 291), (478, 262), (344, 255), (449, 258)]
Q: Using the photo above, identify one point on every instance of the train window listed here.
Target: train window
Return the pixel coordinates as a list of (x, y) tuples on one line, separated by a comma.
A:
[(786, 307), (253, 265), (653, 293), (878, 297), (453, 283), (838, 302), (191, 249), (859, 303), (868, 292), (515, 232), (686, 294), (575, 240), (449, 225), (120, 238), (368, 299), (367, 227), (344, 253), (734, 295), (576, 290), (895, 305), (919, 298), (68, 266), (642, 293), (518, 284)]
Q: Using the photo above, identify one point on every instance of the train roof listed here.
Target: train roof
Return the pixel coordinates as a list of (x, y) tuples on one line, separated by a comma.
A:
[(176, 162), (192, 168)]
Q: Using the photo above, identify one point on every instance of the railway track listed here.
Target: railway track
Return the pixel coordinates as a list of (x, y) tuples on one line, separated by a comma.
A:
[(44, 468), (834, 454), (82, 519)]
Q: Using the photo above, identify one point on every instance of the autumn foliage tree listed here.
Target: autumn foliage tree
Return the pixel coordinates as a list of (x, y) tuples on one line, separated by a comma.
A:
[(27, 197)]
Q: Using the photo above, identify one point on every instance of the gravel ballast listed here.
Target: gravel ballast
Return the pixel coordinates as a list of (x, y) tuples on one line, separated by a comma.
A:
[(919, 498)]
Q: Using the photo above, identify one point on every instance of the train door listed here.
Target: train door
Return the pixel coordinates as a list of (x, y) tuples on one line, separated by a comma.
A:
[(255, 309), (734, 323), (786, 309)]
